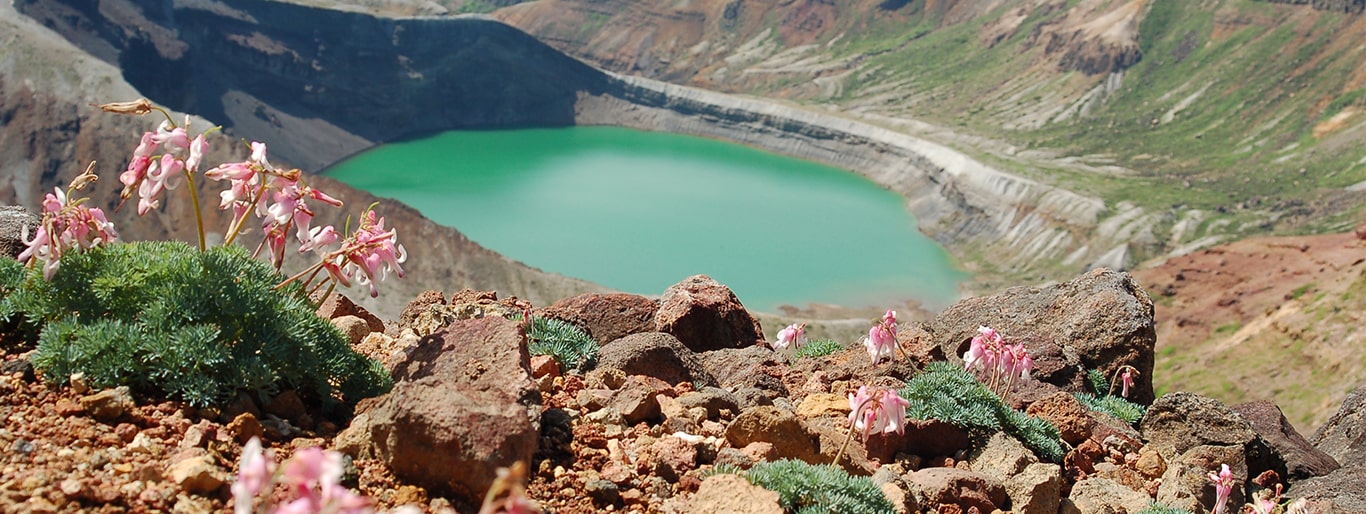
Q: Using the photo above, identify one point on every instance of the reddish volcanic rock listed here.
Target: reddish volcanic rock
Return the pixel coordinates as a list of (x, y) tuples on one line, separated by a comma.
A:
[(606, 317), (706, 315)]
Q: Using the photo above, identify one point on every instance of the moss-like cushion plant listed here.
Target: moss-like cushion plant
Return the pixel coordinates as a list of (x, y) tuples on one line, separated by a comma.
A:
[(165, 318)]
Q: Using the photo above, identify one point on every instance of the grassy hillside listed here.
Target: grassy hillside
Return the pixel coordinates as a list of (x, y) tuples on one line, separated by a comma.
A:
[(1196, 121)]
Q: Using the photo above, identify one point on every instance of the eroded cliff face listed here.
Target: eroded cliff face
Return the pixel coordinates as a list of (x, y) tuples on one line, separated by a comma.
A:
[(1347, 6), (268, 71), (49, 130)]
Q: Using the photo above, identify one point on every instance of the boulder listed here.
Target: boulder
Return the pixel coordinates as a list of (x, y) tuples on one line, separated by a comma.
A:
[(1186, 483), (755, 367), (727, 493), (354, 328), (337, 305), (1102, 320), (424, 301), (936, 487), (636, 400), (15, 221), (463, 405), (767, 424), (1340, 492), (1002, 457), (713, 399), (1064, 411), (654, 354), (1302, 460), (1342, 437), (1102, 495), (928, 438), (1036, 489), (706, 315), (1180, 421), (606, 317)]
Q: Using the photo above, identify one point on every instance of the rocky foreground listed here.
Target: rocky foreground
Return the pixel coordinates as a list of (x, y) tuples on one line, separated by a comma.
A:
[(683, 386)]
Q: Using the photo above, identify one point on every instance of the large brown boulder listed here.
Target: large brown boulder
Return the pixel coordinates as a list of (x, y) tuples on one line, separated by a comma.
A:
[(1102, 320), (463, 405), (705, 315), (1342, 436), (1302, 460), (1195, 435), (606, 317)]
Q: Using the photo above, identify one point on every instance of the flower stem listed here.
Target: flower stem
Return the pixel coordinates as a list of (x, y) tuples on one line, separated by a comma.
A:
[(299, 275), (198, 217), (237, 225)]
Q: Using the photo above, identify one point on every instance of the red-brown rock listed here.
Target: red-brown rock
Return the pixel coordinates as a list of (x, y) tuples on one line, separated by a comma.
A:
[(1067, 413), (606, 317), (463, 405), (706, 315), (337, 305), (933, 487)]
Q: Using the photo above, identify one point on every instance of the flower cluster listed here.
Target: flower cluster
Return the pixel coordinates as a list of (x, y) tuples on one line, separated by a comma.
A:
[(874, 411), (1127, 379), (1223, 486), (998, 364), (881, 341), (166, 158), (791, 339), (312, 477), (877, 410), (66, 224)]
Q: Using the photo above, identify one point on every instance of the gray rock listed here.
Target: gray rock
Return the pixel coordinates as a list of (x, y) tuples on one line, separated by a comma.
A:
[(1101, 495), (1340, 492), (747, 367), (713, 399), (789, 436), (463, 405), (1342, 437), (706, 315), (1101, 320), (1302, 460), (1002, 457), (655, 354), (932, 487), (14, 221), (1186, 482), (1178, 422), (1037, 489)]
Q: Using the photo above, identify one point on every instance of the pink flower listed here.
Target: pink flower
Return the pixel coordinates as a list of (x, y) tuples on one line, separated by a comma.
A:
[(881, 341), (66, 224), (881, 410), (291, 207), (1126, 379), (985, 349), (197, 148), (1023, 362), (368, 255), (791, 339), (1223, 486), (254, 473)]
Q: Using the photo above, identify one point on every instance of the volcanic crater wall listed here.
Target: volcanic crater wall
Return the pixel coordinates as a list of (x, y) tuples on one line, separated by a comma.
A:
[(320, 84)]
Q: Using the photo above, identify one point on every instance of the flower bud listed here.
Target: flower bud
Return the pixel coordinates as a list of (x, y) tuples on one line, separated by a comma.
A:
[(136, 107)]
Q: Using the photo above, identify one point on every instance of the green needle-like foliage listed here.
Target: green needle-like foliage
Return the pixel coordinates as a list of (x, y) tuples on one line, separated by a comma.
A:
[(805, 488), (819, 348), (571, 347), (1099, 383), (949, 393), (1115, 406), (1158, 508), (200, 326)]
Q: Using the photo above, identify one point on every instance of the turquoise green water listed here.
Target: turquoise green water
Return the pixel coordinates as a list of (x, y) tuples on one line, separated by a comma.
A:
[(639, 211)]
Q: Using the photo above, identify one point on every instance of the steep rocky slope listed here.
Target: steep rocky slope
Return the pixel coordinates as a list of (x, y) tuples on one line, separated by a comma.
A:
[(1129, 101), (1265, 319), (50, 129)]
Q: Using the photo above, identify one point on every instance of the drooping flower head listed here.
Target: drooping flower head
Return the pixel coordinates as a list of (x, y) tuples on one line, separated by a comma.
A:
[(881, 340), (66, 224), (877, 410), (791, 339), (254, 473), (1126, 380), (368, 255), (1223, 487)]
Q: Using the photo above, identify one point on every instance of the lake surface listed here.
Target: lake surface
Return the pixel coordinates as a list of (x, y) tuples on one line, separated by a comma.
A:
[(640, 211)]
